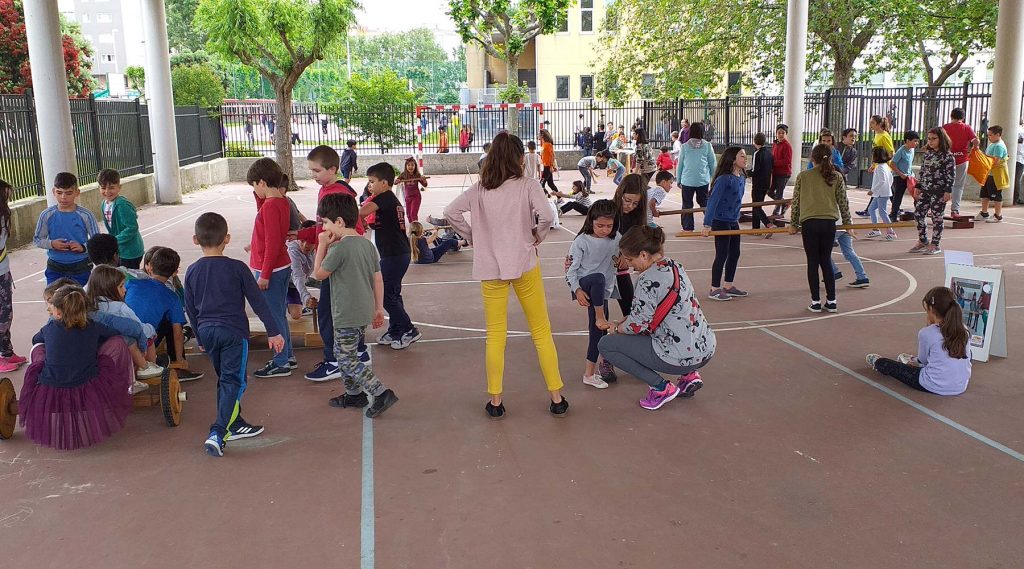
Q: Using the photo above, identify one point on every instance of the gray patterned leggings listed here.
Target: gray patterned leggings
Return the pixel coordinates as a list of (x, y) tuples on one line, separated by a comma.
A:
[(358, 376)]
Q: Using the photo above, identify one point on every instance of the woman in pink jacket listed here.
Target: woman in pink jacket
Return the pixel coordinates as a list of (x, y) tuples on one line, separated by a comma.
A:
[(502, 207)]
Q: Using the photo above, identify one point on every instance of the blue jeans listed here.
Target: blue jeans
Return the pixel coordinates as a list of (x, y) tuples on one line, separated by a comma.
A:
[(52, 275), (325, 321), (229, 354), (393, 269), (846, 245), (876, 209), (594, 286), (587, 179), (620, 172), (438, 251), (277, 299)]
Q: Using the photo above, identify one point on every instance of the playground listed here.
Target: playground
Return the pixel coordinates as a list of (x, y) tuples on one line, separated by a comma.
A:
[(796, 454)]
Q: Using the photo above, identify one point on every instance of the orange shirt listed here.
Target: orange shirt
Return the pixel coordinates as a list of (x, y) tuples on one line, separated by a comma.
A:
[(547, 155)]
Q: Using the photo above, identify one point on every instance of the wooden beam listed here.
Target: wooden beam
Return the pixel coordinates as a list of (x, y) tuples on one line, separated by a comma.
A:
[(742, 206), (855, 226)]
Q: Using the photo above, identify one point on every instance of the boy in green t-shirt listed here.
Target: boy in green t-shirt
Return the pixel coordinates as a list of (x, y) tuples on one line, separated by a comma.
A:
[(998, 177), (121, 219), (357, 300)]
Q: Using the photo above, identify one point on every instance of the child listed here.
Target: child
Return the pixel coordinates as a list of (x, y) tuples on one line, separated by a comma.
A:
[(121, 219), (9, 361), (935, 189), (587, 164), (782, 166), (106, 292), (352, 266), (531, 162), (998, 178), (300, 301), (943, 362), (464, 139), (587, 141), (600, 143), (483, 155), (761, 180), (646, 164), (323, 164), (216, 289), (547, 160), (617, 169), (411, 180), (662, 186), (826, 137), (665, 332), (420, 245), (723, 214), (76, 388), (902, 168), (881, 192), (159, 306), (348, 161), (664, 160), (395, 254), (631, 204), (591, 279), (677, 147), (580, 199), (268, 257), (442, 140), (63, 230)]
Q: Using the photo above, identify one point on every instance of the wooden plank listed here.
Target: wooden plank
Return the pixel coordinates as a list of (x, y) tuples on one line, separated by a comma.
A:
[(746, 205), (855, 226)]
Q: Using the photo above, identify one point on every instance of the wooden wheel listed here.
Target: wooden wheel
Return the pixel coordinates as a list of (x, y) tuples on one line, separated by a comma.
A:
[(8, 408), (171, 397)]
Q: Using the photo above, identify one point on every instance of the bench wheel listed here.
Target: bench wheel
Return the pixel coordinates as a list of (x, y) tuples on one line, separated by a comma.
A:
[(8, 408), (171, 397)]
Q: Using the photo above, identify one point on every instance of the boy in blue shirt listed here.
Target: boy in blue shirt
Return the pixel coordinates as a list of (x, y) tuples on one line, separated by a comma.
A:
[(216, 289), (63, 230), (348, 161), (902, 168)]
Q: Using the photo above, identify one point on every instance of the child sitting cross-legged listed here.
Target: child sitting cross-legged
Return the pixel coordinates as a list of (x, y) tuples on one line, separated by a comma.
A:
[(429, 248)]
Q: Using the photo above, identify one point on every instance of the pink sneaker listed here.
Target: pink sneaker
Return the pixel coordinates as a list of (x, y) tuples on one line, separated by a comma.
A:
[(689, 384), (6, 367), (655, 399), (14, 359)]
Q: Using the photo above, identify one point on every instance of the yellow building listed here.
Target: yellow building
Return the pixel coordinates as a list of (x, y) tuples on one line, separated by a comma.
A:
[(556, 67)]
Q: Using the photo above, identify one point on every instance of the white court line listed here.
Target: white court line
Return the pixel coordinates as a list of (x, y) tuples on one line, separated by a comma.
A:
[(367, 530), (899, 397)]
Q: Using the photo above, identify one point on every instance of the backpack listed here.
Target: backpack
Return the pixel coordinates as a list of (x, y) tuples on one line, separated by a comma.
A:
[(667, 303)]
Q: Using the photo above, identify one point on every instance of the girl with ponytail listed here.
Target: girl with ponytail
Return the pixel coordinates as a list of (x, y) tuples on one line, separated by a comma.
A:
[(943, 362), (665, 332)]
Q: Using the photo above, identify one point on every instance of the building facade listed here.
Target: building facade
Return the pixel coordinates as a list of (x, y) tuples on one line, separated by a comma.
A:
[(114, 29)]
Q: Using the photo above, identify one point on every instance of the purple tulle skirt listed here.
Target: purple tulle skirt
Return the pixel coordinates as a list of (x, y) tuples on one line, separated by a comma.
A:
[(69, 418)]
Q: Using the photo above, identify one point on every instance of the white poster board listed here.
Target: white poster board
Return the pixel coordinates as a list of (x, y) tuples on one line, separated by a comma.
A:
[(979, 290)]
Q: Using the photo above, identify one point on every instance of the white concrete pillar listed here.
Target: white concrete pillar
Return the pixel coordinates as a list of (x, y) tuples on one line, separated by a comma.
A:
[(796, 79), (161, 103), (50, 91), (1008, 79)]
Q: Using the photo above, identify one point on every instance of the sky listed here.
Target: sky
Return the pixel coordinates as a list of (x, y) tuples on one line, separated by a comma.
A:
[(380, 14)]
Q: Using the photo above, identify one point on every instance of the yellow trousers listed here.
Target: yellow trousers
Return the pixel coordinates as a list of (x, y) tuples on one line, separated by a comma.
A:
[(530, 291)]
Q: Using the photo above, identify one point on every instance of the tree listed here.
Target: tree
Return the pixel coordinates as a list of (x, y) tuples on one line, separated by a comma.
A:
[(15, 73), (503, 29), (197, 85), (689, 44), (182, 35), (377, 108), (136, 75), (279, 38)]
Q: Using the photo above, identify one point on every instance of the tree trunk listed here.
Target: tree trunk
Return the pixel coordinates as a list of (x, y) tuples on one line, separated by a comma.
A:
[(283, 132), (512, 78), (842, 70)]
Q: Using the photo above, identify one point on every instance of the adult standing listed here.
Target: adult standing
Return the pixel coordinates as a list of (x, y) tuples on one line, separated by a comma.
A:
[(819, 200), (782, 166), (696, 165), (684, 131), (502, 206), (960, 135)]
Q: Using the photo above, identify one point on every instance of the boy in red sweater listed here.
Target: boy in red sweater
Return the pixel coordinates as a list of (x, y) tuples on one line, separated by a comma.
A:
[(323, 162), (268, 256), (664, 160), (782, 166)]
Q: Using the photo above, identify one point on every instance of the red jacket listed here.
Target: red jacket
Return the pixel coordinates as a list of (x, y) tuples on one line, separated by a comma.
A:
[(782, 158), (464, 139), (664, 162), (268, 251), (310, 234)]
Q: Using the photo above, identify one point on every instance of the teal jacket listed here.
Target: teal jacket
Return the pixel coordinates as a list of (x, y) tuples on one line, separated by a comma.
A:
[(696, 163), (124, 224)]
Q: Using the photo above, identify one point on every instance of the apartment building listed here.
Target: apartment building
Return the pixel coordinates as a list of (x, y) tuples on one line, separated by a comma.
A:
[(114, 29)]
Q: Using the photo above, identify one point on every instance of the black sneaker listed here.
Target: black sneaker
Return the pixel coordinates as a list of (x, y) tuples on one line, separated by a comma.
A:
[(859, 283), (345, 400), (381, 403), (242, 429), (188, 375), (495, 413), (607, 371), (271, 370), (815, 306), (984, 215), (863, 213), (560, 409), (831, 306)]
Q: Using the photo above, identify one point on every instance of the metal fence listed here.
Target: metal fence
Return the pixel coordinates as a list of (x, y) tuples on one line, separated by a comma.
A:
[(107, 134)]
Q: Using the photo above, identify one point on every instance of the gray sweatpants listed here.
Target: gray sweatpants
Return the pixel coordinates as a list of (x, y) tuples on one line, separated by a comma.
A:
[(635, 355), (958, 186)]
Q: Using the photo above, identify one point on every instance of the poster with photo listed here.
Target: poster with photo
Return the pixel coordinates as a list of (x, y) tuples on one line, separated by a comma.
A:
[(975, 299), (978, 291)]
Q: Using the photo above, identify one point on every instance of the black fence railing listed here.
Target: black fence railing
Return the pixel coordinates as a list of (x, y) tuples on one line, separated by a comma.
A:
[(107, 134)]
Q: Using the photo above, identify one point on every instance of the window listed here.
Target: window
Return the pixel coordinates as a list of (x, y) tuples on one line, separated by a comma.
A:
[(107, 58), (103, 18), (586, 86), (106, 38), (587, 16), (562, 87)]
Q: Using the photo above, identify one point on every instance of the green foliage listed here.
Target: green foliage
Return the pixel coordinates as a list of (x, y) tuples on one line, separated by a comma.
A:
[(512, 93), (199, 57), (136, 75), (196, 84), (378, 108), (182, 35), (239, 150)]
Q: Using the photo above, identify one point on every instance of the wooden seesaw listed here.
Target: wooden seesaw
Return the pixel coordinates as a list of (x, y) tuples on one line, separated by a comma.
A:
[(742, 206), (304, 331), (773, 230)]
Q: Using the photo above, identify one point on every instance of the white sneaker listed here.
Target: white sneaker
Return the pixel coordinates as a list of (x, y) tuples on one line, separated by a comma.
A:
[(138, 387), (595, 381), (873, 233), (151, 370)]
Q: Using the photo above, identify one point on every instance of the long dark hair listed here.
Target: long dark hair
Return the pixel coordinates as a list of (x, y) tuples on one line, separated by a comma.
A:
[(941, 301), (600, 208), (504, 161), (632, 184), (725, 165), (5, 209), (641, 135), (545, 136), (821, 156)]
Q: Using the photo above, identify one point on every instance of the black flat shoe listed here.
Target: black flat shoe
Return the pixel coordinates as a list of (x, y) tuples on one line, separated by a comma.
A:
[(560, 409), (495, 413)]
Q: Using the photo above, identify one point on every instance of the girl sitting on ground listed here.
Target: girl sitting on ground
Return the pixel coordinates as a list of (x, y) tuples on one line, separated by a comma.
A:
[(428, 248), (943, 362), (580, 199), (106, 290), (76, 390), (591, 278), (666, 332)]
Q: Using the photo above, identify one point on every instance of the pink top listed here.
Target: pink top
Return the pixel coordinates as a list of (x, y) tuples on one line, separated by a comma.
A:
[(960, 135), (502, 231)]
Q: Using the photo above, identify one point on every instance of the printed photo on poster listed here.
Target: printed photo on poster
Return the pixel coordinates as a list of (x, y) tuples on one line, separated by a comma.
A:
[(975, 299)]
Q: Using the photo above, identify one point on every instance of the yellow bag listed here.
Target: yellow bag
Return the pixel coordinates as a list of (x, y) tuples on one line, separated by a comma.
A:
[(979, 165), (1001, 174)]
